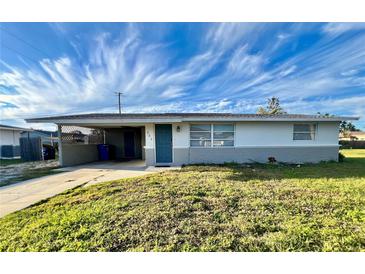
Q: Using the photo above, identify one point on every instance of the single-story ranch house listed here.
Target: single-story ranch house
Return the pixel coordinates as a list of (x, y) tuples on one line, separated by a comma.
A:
[(9, 141), (187, 138)]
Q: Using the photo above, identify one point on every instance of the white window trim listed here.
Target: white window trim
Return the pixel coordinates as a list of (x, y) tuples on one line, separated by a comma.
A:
[(211, 140), (315, 131)]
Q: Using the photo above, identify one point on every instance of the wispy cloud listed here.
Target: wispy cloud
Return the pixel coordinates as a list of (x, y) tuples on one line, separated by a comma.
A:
[(232, 67), (339, 28)]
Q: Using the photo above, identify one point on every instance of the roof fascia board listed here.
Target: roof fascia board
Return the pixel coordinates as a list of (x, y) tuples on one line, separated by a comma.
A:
[(16, 129), (249, 119), (100, 121), (103, 121)]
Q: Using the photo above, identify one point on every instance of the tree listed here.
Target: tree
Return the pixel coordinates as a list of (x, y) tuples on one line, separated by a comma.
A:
[(347, 127), (324, 115), (273, 107)]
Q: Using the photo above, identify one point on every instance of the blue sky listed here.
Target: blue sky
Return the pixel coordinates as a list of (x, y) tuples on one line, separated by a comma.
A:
[(64, 68)]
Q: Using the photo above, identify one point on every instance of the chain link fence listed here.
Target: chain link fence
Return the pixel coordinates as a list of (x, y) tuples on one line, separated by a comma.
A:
[(81, 135)]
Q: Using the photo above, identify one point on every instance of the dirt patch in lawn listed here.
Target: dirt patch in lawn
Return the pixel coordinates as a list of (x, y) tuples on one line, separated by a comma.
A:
[(14, 173)]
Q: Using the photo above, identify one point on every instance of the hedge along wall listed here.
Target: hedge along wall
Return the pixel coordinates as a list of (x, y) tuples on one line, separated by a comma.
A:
[(352, 144)]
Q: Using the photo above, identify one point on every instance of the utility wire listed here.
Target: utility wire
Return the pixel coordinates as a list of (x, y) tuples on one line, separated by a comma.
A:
[(37, 49), (40, 51), (43, 52), (19, 53), (21, 116), (25, 42)]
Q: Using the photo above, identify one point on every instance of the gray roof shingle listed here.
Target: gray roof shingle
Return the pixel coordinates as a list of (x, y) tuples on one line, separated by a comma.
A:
[(14, 128), (97, 116)]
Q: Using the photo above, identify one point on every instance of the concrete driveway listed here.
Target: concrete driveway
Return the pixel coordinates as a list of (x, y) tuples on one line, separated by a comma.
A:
[(24, 194)]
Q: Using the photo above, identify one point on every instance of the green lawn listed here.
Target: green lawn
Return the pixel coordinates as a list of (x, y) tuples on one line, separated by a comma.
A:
[(6, 162), (204, 208)]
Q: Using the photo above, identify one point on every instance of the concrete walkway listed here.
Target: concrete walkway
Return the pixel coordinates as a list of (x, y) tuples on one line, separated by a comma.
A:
[(24, 194)]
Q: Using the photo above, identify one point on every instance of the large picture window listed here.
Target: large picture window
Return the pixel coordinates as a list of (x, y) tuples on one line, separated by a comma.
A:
[(212, 135), (304, 132)]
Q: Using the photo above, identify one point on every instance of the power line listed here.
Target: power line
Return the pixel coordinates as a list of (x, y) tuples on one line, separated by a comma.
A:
[(25, 42), (19, 53), (71, 110), (21, 116), (37, 49), (45, 53)]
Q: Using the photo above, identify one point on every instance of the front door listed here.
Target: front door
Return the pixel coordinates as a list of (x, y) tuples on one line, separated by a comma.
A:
[(129, 147), (163, 143)]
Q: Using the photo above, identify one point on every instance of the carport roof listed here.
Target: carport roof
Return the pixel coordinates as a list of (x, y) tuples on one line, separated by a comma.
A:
[(100, 118), (7, 127)]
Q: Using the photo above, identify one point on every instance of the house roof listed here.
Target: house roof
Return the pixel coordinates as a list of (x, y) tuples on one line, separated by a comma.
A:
[(44, 132), (7, 127), (114, 118), (357, 133)]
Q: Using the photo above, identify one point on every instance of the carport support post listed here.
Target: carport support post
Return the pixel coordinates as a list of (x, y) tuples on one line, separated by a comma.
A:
[(60, 144)]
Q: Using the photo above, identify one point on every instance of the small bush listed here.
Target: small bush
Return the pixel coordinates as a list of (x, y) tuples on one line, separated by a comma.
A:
[(271, 160), (341, 157)]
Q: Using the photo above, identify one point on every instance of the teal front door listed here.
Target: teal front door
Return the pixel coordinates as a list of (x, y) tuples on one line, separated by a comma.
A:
[(163, 143)]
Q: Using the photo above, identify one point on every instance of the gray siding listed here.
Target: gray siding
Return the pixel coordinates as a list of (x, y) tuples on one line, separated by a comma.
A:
[(261, 155), (150, 156), (249, 155), (78, 154)]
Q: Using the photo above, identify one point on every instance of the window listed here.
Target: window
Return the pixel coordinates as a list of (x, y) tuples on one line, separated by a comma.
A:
[(223, 135), (212, 135), (200, 135), (304, 131)]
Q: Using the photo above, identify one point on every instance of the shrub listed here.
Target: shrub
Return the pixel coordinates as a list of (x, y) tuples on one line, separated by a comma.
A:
[(271, 160)]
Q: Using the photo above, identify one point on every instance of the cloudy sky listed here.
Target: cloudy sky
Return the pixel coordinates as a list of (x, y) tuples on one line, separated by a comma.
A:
[(50, 69)]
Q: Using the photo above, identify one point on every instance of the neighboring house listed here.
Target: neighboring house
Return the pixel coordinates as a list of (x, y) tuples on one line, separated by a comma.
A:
[(9, 141), (47, 137), (353, 136), (189, 138)]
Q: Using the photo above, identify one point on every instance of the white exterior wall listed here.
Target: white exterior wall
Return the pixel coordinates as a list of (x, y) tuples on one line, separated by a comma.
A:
[(328, 133), (254, 141), (9, 137), (181, 139), (150, 136), (262, 134), (268, 134)]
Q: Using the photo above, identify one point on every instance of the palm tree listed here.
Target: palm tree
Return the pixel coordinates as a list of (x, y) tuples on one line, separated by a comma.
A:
[(273, 107)]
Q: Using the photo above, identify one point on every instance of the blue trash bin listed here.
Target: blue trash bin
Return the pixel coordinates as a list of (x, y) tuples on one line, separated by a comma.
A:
[(104, 152)]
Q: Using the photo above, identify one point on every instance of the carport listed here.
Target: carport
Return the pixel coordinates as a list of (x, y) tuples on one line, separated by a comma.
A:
[(79, 144)]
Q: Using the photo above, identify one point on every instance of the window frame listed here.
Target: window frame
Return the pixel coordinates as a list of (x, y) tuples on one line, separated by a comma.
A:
[(201, 131), (212, 139), (310, 132)]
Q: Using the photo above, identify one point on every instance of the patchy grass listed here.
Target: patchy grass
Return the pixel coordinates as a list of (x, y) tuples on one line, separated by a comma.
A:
[(6, 162), (17, 172), (29, 174), (203, 208)]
